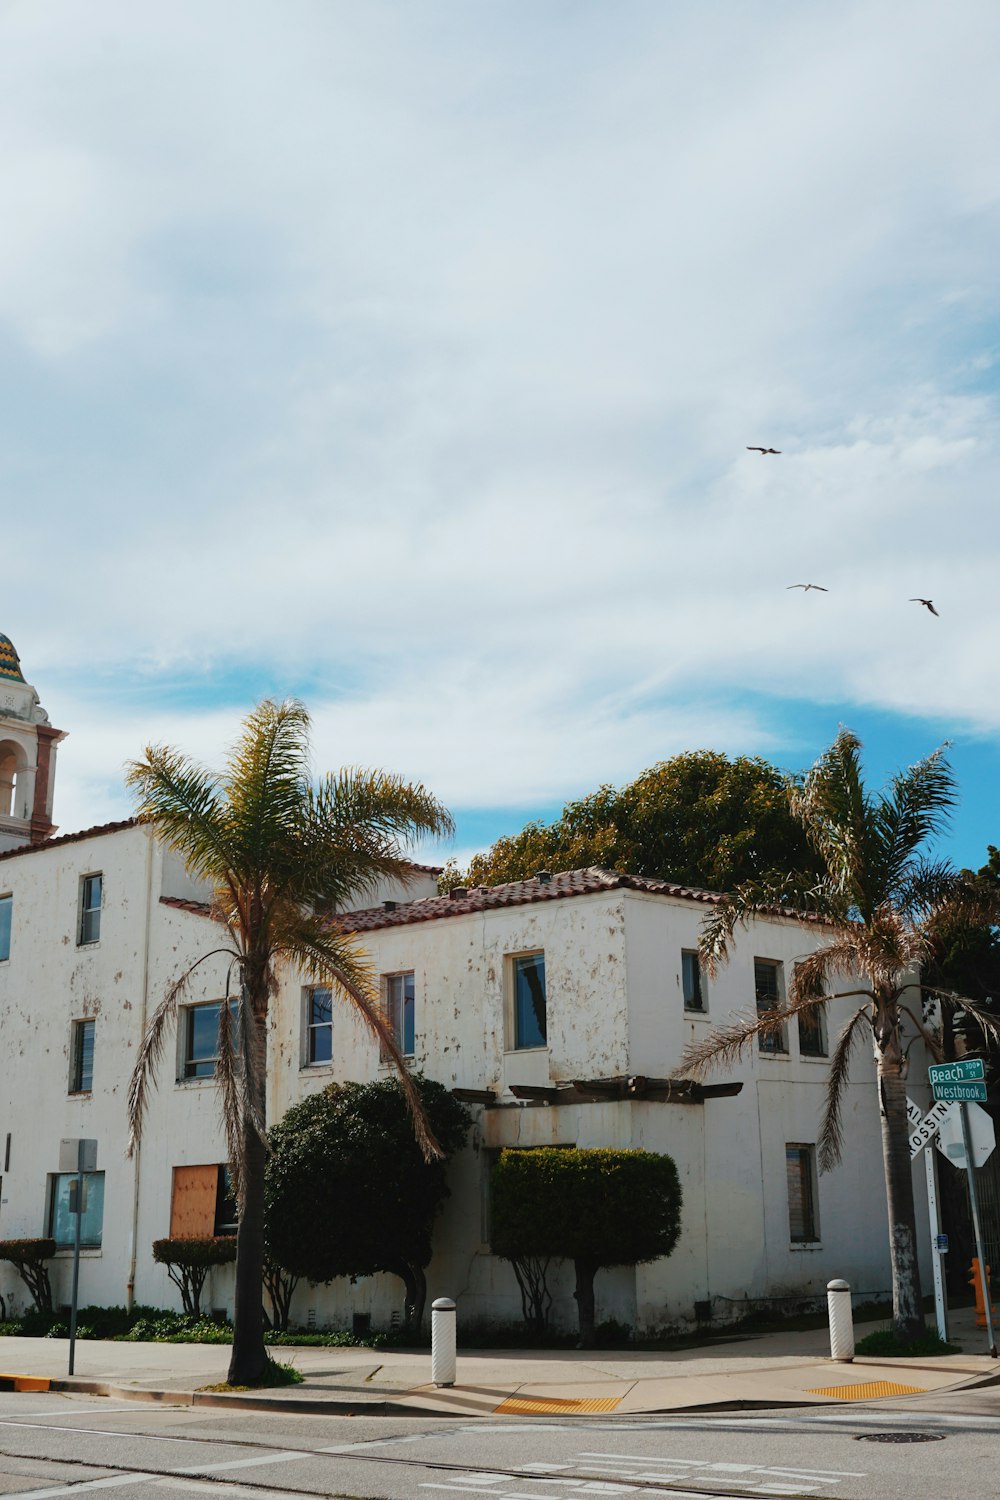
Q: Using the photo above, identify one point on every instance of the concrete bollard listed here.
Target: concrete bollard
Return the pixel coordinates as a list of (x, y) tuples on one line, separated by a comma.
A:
[(444, 1337), (838, 1302)]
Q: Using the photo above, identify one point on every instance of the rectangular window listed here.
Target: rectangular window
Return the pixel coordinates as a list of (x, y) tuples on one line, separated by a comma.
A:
[(801, 1175), (82, 1072), (62, 1203), (767, 983), (812, 1032), (319, 1025), (694, 998), (226, 1215), (528, 984), (6, 914), (401, 1011), (91, 895), (202, 1202), (201, 1038)]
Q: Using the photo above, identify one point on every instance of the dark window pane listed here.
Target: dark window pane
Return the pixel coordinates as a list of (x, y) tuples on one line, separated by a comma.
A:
[(691, 981), (801, 1209), (812, 1033), (767, 985), (90, 908), (6, 912), (226, 1216), (83, 1057), (202, 1041), (530, 1022)]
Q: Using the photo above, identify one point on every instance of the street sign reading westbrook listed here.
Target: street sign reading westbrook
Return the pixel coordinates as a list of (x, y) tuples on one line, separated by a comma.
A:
[(962, 1080)]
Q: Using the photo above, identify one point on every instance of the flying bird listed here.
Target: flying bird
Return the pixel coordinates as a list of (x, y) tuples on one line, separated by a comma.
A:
[(752, 449), (928, 604), (807, 587)]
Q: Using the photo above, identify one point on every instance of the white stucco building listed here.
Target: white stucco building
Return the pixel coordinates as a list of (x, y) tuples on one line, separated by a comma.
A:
[(558, 1006)]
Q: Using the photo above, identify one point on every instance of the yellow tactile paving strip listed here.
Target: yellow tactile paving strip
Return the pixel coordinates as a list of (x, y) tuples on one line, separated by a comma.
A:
[(560, 1405), (868, 1390)]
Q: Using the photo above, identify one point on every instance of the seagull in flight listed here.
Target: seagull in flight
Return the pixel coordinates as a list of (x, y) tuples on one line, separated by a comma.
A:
[(752, 449), (807, 587), (928, 604)]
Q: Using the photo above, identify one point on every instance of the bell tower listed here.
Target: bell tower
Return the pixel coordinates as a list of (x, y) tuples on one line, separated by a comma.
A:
[(27, 757)]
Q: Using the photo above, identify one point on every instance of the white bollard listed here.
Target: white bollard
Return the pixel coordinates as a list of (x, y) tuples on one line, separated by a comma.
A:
[(444, 1323), (838, 1302)]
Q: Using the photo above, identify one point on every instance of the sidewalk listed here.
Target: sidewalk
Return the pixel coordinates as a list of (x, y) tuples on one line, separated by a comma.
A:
[(770, 1370)]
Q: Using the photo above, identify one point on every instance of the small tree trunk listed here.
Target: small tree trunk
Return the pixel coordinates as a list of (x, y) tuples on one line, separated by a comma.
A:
[(907, 1302), (584, 1294), (415, 1301)]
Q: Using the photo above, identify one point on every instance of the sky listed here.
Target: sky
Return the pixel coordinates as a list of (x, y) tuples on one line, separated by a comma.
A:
[(403, 357)]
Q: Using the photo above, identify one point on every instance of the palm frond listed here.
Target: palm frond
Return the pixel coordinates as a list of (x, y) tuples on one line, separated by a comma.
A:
[(151, 1047), (725, 1045), (266, 786), (831, 1135), (737, 909), (184, 804), (989, 1023), (917, 807)]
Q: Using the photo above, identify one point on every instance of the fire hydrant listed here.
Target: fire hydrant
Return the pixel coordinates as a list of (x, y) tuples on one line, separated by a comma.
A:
[(980, 1284)]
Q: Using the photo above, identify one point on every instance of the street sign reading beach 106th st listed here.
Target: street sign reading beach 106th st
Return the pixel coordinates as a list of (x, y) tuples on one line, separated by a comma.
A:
[(963, 1080)]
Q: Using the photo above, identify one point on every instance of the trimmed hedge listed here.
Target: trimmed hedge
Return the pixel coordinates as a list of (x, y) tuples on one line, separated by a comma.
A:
[(188, 1261)]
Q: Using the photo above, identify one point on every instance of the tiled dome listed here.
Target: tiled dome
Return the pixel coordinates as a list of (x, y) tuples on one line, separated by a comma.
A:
[(10, 666)]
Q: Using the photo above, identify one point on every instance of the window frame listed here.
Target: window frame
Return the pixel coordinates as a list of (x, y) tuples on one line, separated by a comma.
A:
[(77, 1055), (775, 1045), (52, 1209), (83, 938), (186, 1063), (394, 1010), (6, 924), (513, 961), (310, 1028), (805, 1153), (690, 1007)]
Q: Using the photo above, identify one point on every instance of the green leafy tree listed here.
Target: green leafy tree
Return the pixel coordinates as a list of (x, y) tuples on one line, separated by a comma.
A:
[(188, 1260), (282, 855), (28, 1257), (593, 1207), (699, 819), (349, 1193), (884, 904)]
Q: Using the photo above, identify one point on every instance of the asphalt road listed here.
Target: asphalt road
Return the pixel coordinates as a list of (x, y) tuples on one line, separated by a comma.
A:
[(60, 1445)]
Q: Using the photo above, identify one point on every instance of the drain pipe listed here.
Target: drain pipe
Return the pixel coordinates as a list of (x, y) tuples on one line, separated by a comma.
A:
[(137, 1155)]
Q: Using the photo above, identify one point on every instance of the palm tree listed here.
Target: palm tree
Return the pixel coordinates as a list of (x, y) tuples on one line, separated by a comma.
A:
[(881, 902), (282, 856)]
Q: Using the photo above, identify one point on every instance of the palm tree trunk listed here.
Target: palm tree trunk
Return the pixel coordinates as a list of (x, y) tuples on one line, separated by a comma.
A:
[(249, 1360), (907, 1302)]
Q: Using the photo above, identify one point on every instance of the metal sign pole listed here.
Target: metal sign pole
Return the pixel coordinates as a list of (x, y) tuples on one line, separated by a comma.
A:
[(970, 1167), (77, 1236), (940, 1301)]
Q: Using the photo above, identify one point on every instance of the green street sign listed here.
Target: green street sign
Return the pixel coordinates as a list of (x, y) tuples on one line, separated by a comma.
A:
[(966, 1093), (956, 1072)]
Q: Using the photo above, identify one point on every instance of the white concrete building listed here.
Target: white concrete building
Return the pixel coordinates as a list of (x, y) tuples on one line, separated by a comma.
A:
[(560, 1006)]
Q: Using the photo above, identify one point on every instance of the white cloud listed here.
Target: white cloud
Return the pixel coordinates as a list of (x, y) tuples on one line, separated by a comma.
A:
[(406, 357)]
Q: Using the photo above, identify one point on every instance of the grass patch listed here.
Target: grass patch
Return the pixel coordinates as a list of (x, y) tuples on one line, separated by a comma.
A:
[(275, 1375), (883, 1344)]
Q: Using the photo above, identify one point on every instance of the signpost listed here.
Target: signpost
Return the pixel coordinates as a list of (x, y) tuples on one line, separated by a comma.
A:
[(923, 1129), (962, 1081), (77, 1156)]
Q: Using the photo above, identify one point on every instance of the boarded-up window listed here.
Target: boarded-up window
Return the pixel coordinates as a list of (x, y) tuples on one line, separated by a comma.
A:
[(801, 1199), (192, 1205)]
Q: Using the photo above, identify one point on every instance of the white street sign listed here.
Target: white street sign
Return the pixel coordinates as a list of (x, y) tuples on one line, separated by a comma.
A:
[(950, 1143), (925, 1129)]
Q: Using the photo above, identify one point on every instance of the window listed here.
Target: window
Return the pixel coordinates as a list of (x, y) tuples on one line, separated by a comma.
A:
[(6, 913), (91, 895), (201, 1038), (62, 1198), (81, 1079), (694, 999), (528, 996), (319, 1025), (812, 1032), (801, 1174), (400, 1011), (767, 983), (202, 1202)]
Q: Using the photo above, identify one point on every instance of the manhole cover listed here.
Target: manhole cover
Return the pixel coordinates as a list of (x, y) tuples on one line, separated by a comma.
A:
[(900, 1437)]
